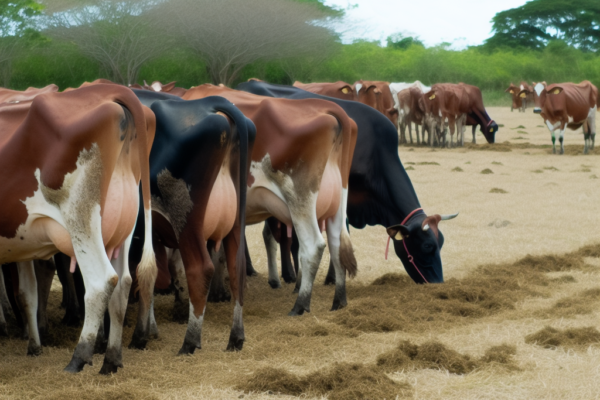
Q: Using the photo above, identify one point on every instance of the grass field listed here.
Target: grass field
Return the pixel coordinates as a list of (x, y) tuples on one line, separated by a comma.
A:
[(524, 254)]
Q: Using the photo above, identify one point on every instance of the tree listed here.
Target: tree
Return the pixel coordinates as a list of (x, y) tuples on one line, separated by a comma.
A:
[(533, 25), (230, 34), (399, 41), (121, 35), (16, 31)]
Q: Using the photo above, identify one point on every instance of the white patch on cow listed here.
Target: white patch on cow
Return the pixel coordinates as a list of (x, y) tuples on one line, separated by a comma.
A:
[(157, 87), (194, 328), (569, 119), (552, 126), (521, 87), (357, 87), (440, 112), (539, 88)]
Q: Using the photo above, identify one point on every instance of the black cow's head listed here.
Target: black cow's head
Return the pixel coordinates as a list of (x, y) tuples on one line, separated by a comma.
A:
[(489, 131), (418, 243)]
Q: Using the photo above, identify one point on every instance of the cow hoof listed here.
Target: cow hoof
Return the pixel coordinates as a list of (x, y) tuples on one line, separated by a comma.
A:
[(297, 310), (33, 349), (76, 365), (138, 342), (337, 306), (109, 367), (187, 349), (235, 344), (275, 284)]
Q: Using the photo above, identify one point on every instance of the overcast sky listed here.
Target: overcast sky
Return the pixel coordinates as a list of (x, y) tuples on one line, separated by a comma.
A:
[(462, 22)]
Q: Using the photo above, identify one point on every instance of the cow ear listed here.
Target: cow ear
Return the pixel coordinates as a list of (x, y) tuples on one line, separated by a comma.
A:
[(509, 90), (523, 93), (556, 90), (168, 87), (346, 89), (430, 95), (398, 232)]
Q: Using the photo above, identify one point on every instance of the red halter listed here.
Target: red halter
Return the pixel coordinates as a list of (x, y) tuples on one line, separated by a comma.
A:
[(410, 257)]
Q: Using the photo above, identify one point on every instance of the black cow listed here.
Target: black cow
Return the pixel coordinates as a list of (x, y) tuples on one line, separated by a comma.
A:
[(380, 191), (201, 148)]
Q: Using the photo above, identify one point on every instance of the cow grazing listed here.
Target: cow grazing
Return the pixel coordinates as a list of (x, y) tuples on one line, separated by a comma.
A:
[(198, 172), (377, 94), (299, 174), (522, 95), (448, 105), (380, 191), (339, 90), (73, 162), (563, 105)]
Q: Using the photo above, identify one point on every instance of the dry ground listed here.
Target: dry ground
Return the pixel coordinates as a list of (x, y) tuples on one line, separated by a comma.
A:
[(532, 203)]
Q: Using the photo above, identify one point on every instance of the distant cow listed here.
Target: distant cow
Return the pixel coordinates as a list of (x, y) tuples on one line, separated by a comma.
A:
[(563, 105), (522, 95), (378, 95), (340, 90), (411, 109)]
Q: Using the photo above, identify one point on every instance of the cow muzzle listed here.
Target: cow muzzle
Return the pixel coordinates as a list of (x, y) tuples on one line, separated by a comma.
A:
[(537, 110)]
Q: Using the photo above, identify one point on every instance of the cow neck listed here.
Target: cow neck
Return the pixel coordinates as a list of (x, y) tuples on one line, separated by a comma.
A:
[(482, 118)]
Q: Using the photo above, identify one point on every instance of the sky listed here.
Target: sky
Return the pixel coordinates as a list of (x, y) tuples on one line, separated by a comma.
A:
[(460, 22)]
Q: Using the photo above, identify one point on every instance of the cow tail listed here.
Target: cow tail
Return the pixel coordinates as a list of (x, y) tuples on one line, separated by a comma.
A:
[(146, 270)]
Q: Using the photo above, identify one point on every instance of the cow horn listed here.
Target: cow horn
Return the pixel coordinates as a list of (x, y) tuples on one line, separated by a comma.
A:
[(426, 228), (449, 216)]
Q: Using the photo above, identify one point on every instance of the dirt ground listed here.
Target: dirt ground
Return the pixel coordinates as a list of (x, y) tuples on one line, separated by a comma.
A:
[(531, 203)]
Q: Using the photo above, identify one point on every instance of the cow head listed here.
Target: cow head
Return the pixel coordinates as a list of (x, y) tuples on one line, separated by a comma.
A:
[(489, 131), (539, 96), (517, 100), (417, 242)]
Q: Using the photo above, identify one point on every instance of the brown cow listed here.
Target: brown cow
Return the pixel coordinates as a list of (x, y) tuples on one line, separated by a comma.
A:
[(571, 105), (72, 164), (522, 95), (412, 110), (340, 90), (169, 88), (299, 174), (377, 94), (15, 96)]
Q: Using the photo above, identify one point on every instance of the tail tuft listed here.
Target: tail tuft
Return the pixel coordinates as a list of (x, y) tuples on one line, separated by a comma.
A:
[(347, 258)]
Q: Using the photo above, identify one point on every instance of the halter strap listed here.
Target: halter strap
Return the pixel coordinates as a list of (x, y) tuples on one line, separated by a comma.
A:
[(387, 247), (489, 123)]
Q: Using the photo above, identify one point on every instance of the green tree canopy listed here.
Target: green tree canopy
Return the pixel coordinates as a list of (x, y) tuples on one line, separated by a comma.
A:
[(533, 25), (16, 16), (399, 41)]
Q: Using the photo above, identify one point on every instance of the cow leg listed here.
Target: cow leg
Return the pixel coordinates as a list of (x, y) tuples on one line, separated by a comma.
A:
[(461, 126), (44, 273), (250, 271), (561, 139), (117, 306), (474, 134), (71, 304), (312, 246), (231, 244), (199, 271), (285, 246), (271, 247), (5, 307), (28, 296), (417, 133), (182, 295), (217, 292), (410, 132), (341, 252)]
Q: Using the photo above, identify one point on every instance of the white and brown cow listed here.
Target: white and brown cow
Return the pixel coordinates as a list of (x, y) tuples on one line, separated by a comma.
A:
[(521, 95), (568, 105), (72, 163)]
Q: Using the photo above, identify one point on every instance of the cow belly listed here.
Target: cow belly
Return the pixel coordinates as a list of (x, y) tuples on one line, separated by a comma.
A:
[(221, 209), (330, 191)]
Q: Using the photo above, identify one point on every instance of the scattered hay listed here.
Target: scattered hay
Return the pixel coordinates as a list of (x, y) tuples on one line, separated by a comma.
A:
[(583, 170), (468, 162), (564, 279), (594, 176), (540, 126), (435, 355), (518, 127), (581, 304), (409, 168), (411, 149), (501, 147), (577, 150), (500, 125), (409, 163), (499, 223), (340, 381), (574, 338), (497, 163), (523, 132), (487, 171), (498, 190), (518, 138), (537, 171), (551, 169), (457, 169), (428, 163)]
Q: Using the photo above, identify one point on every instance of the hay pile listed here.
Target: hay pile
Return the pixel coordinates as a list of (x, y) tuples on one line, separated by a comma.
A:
[(573, 338)]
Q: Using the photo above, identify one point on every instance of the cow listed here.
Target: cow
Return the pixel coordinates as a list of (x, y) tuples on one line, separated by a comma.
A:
[(521, 95), (411, 109), (299, 174), (169, 88), (395, 89), (377, 94), (380, 191), (15, 96), (72, 164), (339, 89), (448, 105), (198, 171), (567, 105)]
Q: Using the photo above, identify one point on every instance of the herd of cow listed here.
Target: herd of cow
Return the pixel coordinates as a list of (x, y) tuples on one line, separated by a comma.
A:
[(151, 187)]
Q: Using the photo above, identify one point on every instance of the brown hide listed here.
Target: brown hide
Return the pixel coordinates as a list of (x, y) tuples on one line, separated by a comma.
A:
[(293, 132), (521, 95), (169, 88), (339, 90), (7, 95), (378, 95), (52, 130), (560, 101), (411, 99)]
